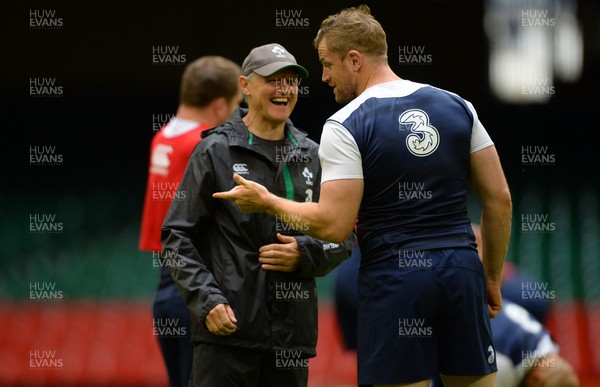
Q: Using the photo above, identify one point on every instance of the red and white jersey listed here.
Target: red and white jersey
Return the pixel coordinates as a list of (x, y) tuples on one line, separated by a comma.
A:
[(170, 150)]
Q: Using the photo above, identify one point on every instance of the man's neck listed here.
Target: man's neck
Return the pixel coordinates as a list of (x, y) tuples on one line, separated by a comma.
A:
[(376, 74), (196, 114), (263, 128)]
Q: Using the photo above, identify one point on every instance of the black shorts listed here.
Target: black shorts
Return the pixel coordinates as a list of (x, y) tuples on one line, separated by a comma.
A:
[(227, 366)]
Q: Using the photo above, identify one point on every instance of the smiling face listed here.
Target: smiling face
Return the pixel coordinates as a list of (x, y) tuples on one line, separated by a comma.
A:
[(337, 73), (272, 98)]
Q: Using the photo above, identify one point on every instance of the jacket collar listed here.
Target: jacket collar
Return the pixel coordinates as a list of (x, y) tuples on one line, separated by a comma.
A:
[(238, 134)]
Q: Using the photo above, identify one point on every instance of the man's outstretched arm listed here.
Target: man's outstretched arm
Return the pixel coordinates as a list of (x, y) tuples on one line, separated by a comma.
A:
[(331, 219)]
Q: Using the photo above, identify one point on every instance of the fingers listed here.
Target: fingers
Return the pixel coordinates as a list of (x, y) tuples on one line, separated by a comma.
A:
[(227, 195), (283, 256), (276, 264), (494, 299), (287, 263), (276, 249), (249, 196), (277, 252), (288, 242), (221, 320), (494, 310), (232, 193), (222, 195), (274, 257), (241, 181), (278, 260), (286, 238), (231, 314)]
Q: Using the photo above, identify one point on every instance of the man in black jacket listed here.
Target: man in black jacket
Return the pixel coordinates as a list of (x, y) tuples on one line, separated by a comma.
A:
[(248, 279)]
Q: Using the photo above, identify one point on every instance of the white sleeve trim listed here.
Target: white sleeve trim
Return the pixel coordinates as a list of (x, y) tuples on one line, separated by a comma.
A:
[(339, 154), (479, 136)]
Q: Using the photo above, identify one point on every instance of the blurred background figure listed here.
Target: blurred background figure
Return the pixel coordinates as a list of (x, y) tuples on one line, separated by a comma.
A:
[(532, 44), (527, 355), (209, 93)]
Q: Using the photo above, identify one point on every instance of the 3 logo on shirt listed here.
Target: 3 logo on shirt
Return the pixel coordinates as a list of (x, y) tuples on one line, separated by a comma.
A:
[(424, 137)]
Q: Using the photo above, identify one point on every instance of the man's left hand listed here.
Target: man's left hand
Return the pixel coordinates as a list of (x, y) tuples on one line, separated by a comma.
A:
[(284, 256)]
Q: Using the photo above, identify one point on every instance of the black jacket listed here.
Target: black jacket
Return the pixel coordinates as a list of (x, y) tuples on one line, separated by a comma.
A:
[(215, 245)]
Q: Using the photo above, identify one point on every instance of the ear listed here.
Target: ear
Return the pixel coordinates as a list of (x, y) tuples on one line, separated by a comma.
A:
[(356, 59), (245, 85)]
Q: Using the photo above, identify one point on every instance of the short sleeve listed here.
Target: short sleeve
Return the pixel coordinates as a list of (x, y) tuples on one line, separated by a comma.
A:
[(339, 153), (479, 136)]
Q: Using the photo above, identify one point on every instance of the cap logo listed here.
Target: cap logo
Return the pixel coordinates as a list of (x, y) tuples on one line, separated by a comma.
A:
[(279, 52)]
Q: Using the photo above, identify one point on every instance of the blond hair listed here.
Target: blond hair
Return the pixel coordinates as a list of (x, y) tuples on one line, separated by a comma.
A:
[(353, 29)]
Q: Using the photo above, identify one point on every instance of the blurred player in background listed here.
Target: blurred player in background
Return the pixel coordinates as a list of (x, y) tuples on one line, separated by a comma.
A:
[(209, 93), (527, 355)]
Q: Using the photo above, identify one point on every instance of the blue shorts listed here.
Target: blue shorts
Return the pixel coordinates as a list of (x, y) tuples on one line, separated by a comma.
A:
[(421, 313)]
